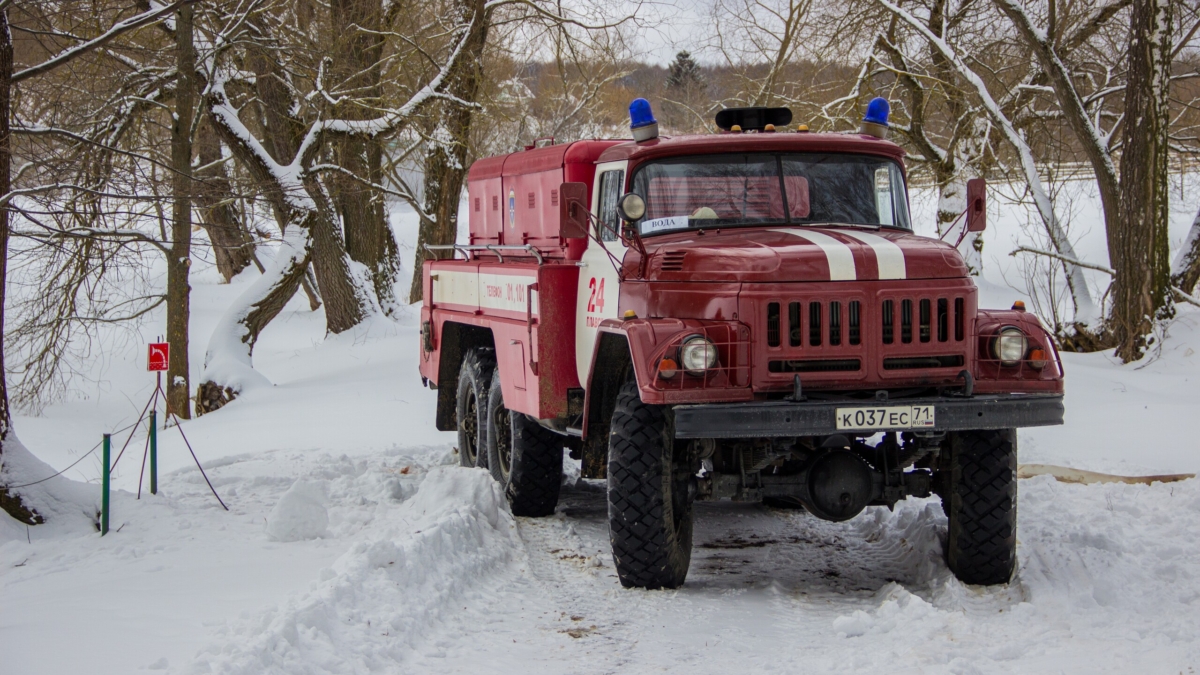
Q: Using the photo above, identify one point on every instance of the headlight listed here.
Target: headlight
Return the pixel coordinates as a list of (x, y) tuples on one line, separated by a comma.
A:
[(1009, 346), (697, 355)]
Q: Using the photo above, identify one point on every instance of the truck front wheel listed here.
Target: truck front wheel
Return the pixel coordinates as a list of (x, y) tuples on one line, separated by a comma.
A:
[(523, 456), (979, 493), (649, 500), (474, 383)]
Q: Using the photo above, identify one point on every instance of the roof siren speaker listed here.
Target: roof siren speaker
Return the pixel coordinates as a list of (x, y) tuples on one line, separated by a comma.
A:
[(875, 122), (641, 121)]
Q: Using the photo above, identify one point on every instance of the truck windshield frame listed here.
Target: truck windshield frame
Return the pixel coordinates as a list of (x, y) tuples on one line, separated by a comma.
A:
[(729, 190)]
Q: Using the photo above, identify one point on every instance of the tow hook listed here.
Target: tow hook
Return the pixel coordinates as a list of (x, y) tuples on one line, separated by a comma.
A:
[(969, 383)]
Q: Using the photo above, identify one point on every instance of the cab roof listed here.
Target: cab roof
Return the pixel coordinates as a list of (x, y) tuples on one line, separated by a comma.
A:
[(786, 141)]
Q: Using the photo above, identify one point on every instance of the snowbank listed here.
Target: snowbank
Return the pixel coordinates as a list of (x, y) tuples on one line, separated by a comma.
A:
[(375, 603), (65, 504)]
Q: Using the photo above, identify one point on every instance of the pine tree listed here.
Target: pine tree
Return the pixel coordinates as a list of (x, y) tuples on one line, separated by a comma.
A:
[(684, 73)]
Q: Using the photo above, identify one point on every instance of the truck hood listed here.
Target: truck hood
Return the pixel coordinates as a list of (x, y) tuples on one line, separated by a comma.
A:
[(796, 254)]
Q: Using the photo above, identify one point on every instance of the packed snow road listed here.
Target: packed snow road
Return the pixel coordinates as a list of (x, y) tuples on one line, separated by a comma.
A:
[(1109, 581)]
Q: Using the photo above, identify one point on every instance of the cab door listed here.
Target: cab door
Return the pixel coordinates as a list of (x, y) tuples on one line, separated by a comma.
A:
[(598, 280)]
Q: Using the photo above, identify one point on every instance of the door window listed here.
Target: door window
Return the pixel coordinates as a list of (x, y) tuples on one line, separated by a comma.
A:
[(611, 185)]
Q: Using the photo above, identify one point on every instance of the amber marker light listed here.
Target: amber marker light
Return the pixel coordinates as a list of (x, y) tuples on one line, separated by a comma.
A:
[(1037, 358), (667, 368)]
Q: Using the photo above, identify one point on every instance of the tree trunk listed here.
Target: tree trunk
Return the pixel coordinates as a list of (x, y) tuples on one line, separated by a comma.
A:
[(1138, 243), (232, 246), (1186, 272), (179, 259), (346, 304), (229, 365), (369, 239), (10, 502), (446, 162)]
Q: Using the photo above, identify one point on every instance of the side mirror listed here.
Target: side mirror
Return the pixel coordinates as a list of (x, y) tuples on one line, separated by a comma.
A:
[(631, 207), (572, 211), (976, 205)]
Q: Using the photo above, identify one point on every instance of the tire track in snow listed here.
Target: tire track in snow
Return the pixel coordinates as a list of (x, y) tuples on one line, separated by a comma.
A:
[(759, 577)]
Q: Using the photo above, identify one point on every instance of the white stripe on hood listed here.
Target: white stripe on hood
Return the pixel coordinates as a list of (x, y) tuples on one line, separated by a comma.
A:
[(838, 255), (889, 255)]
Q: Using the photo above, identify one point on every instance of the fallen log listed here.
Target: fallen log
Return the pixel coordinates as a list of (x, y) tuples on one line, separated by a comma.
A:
[(1065, 474)]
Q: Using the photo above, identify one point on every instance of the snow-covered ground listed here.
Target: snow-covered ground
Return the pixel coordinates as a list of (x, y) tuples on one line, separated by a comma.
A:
[(354, 544)]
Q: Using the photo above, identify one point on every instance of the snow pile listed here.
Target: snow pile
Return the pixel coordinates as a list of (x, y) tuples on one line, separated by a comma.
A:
[(912, 536), (300, 513), (898, 607), (1108, 579), (64, 503), (375, 603)]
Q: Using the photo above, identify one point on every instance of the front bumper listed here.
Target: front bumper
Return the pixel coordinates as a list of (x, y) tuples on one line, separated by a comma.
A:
[(817, 418)]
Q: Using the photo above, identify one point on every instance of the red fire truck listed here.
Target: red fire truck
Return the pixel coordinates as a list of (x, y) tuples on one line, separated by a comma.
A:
[(745, 315)]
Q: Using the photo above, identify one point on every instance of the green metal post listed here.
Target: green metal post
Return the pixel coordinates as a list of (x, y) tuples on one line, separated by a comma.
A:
[(153, 452), (104, 493)]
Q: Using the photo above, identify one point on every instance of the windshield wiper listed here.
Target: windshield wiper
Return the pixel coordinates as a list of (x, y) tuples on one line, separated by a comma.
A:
[(860, 226)]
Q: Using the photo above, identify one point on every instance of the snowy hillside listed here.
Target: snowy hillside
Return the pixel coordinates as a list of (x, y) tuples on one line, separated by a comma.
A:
[(354, 544)]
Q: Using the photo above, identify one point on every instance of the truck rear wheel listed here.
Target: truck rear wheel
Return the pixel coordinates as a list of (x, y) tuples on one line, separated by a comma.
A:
[(474, 383), (979, 493), (523, 456), (649, 501)]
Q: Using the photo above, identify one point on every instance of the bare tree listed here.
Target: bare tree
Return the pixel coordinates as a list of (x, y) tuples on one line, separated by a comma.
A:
[(179, 259), (10, 501), (1086, 312), (357, 67), (446, 153), (288, 168)]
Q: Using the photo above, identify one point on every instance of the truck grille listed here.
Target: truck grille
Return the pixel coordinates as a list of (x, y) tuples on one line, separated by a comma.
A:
[(862, 334), (850, 325), (835, 319)]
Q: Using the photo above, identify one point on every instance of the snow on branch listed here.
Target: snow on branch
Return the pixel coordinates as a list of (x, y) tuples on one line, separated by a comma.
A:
[(119, 28), (1058, 256)]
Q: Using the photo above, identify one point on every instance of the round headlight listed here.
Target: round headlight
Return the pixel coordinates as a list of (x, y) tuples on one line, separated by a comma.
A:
[(631, 207), (1009, 346), (697, 355)]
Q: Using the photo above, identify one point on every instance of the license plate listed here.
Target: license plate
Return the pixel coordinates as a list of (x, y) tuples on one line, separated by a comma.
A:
[(888, 417)]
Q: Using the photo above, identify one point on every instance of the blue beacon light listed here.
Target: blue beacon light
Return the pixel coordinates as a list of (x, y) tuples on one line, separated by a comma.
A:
[(641, 121), (875, 122)]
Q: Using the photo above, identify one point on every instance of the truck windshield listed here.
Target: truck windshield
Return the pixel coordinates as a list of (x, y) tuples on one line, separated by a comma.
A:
[(732, 190)]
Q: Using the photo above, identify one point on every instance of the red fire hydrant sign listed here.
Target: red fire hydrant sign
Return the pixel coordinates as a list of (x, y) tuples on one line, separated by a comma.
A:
[(159, 356)]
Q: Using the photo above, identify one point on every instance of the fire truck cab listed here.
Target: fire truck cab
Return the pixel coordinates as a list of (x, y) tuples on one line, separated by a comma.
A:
[(746, 315)]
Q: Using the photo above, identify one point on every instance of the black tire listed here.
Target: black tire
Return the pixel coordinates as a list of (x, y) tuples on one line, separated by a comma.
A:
[(979, 495), (474, 383), (649, 495), (524, 457)]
